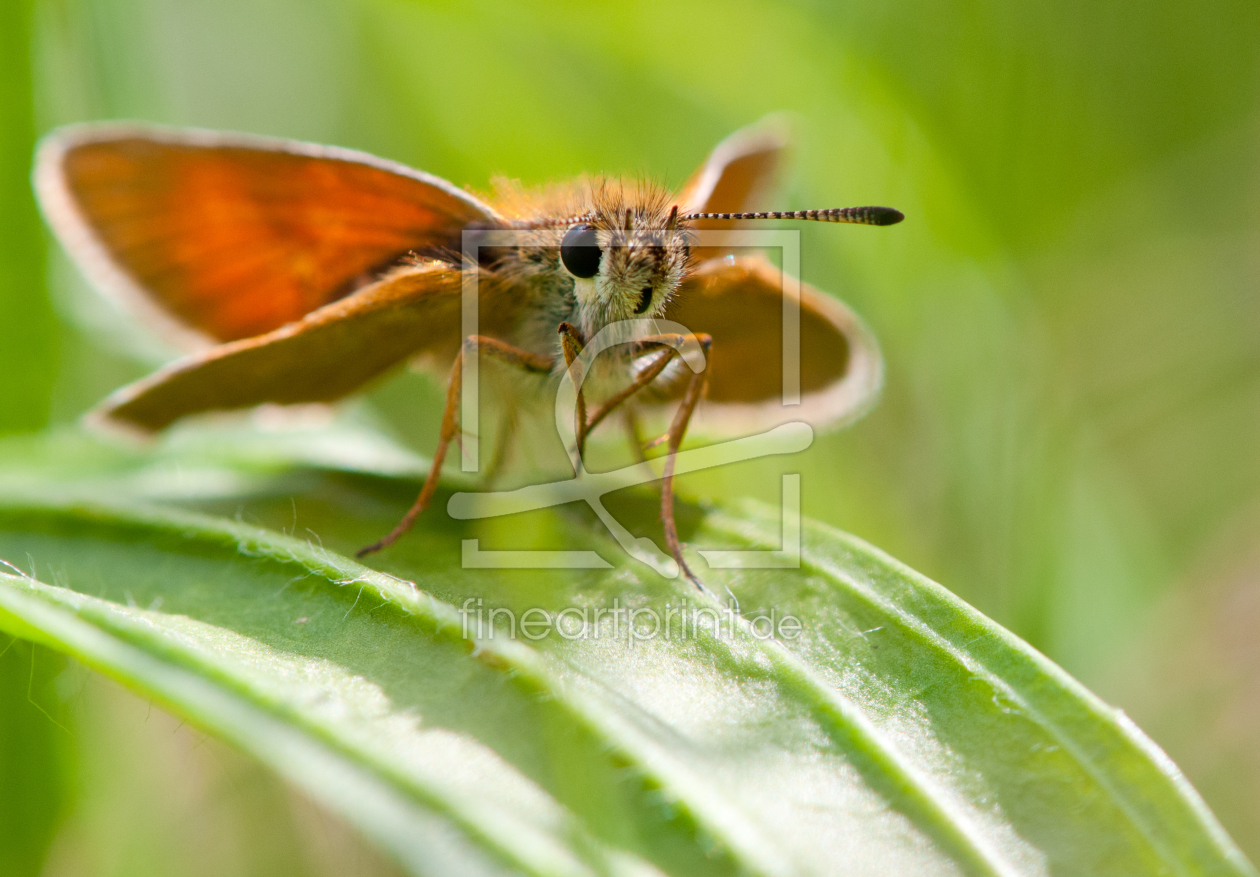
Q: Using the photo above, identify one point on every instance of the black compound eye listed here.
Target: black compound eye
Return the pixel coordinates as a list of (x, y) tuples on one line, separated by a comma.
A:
[(579, 251), (645, 300)]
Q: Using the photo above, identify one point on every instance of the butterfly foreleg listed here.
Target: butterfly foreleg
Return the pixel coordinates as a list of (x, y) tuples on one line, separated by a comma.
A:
[(677, 429), (478, 345), (645, 377), (571, 343), (669, 348)]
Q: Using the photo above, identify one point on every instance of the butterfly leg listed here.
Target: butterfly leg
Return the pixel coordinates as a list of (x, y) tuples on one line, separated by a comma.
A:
[(678, 428), (515, 356), (571, 342), (644, 378)]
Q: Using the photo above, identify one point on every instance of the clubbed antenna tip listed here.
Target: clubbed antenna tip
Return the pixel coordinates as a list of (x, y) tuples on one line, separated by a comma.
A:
[(885, 215)]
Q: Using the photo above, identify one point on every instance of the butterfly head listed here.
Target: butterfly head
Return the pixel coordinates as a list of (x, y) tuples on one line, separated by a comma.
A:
[(627, 256)]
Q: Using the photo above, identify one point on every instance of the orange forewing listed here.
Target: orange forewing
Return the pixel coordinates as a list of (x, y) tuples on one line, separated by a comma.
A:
[(739, 302), (235, 236), (322, 357)]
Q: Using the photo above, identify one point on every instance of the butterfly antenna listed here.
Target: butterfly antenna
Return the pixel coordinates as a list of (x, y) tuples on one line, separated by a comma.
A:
[(857, 215), (550, 223)]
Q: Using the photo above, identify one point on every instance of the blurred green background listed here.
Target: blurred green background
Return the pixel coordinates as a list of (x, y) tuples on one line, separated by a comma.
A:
[(1070, 432)]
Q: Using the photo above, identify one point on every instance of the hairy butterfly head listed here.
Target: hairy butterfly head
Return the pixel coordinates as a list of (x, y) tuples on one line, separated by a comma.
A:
[(627, 255)]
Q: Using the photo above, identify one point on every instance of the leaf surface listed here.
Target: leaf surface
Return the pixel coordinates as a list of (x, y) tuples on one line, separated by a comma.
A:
[(899, 731)]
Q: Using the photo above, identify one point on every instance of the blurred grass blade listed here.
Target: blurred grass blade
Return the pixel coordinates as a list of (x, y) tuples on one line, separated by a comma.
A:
[(902, 732), (27, 329), (32, 759)]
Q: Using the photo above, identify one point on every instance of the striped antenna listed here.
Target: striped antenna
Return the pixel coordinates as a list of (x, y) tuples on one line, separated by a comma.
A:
[(858, 215), (549, 223)]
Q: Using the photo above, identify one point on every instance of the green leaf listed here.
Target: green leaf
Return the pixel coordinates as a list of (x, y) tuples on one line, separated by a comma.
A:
[(900, 732)]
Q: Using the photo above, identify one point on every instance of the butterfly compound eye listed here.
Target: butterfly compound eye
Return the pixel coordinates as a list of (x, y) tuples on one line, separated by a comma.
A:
[(579, 251)]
